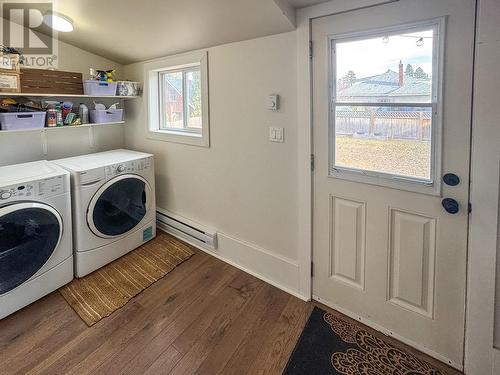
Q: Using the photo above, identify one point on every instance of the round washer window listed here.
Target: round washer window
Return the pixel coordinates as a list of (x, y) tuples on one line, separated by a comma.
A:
[(120, 207), (29, 237)]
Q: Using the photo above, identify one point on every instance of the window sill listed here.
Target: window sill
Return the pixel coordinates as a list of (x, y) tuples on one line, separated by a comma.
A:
[(188, 138), (178, 132)]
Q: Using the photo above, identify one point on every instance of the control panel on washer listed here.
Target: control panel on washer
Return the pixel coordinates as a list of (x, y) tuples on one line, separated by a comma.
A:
[(132, 166), (35, 189)]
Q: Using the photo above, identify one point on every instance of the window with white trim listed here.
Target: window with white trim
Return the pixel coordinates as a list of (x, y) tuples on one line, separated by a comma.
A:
[(178, 99), (385, 103)]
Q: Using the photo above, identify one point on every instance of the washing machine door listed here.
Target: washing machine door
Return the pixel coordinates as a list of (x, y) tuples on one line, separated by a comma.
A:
[(29, 235), (119, 206)]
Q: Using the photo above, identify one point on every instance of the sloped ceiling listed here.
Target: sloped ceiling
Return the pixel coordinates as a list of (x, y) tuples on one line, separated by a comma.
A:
[(128, 31), (304, 3)]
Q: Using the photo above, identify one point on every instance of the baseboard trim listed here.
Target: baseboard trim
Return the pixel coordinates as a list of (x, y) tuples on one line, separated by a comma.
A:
[(389, 333), (279, 271)]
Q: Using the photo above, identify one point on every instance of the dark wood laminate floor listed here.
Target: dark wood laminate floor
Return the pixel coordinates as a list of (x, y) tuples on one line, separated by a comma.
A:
[(205, 317)]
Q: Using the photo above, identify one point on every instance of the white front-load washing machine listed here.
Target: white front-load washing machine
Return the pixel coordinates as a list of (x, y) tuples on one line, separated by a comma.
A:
[(114, 209), (36, 250)]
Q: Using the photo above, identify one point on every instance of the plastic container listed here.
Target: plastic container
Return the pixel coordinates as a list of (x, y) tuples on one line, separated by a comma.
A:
[(128, 88), (99, 88), (102, 116), (83, 112), (22, 120), (51, 116)]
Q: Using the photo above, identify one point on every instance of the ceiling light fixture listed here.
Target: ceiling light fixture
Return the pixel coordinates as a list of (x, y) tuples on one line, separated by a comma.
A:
[(58, 22)]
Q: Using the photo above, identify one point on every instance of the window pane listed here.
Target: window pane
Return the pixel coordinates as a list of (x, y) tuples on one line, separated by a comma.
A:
[(386, 69), (172, 101), (394, 140), (193, 87)]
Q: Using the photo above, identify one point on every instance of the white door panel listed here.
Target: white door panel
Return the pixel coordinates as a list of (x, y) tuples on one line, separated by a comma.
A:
[(391, 256)]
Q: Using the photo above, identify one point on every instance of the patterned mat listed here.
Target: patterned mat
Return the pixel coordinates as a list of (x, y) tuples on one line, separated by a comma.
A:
[(330, 344)]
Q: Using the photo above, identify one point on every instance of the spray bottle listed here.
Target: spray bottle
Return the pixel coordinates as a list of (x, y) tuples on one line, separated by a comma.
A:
[(83, 112)]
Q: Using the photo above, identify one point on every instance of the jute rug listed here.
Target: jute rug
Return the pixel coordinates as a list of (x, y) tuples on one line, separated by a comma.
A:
[(104, 291)]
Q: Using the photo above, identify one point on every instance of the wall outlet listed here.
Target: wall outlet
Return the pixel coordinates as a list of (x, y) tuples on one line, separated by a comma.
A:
[(277, 134)]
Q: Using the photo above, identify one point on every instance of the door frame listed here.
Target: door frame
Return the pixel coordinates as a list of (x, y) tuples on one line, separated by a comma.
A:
[(480, 357)]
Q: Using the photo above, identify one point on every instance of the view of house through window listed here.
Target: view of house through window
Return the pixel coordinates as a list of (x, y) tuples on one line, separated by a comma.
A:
[(383, 101), (180, 100)]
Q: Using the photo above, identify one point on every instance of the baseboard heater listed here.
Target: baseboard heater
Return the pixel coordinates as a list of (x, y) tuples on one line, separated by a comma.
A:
[(186, 229)]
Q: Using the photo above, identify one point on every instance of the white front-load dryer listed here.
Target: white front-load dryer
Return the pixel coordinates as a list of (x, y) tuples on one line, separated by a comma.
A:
[(114, 209), (36, 250)]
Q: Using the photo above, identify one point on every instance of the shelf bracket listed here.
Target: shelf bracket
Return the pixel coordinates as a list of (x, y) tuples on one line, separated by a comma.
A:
[(91, 137), (45, 147)]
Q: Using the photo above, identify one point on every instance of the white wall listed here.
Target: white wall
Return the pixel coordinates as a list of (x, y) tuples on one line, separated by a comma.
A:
[(27, 146), (74, 59), (255, 193), (243, 185)]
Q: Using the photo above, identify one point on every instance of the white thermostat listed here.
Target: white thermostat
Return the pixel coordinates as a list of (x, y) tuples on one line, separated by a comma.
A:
[(273, 102)]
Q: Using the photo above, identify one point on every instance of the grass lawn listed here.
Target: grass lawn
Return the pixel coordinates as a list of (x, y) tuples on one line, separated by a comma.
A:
[(402, 157)]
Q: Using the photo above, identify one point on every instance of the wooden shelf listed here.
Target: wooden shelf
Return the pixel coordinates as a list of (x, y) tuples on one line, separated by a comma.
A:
[(61, 127), (18, 94)]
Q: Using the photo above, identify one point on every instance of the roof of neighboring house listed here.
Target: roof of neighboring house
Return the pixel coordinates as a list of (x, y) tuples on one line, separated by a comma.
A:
[(176, 83), (387, 84)]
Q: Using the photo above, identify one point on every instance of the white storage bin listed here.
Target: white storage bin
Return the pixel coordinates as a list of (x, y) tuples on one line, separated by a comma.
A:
[(99, 88), (22, 120), (128, 88), (102, 116)]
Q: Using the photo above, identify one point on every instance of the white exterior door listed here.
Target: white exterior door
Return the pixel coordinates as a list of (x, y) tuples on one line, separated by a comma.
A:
[(392, 116)]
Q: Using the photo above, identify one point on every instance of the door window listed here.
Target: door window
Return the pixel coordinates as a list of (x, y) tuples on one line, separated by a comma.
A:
[(385, 100), (120, 207), (28, 239)]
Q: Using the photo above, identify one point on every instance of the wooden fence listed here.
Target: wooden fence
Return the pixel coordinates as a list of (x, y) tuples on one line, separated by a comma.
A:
[(389, 125)]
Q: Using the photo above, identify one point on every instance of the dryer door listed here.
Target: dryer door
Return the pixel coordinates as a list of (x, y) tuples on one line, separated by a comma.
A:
[(29, 235), (119, 206)]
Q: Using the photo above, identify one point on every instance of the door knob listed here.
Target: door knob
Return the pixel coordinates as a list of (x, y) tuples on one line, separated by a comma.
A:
[(450, 205), (451, 179)]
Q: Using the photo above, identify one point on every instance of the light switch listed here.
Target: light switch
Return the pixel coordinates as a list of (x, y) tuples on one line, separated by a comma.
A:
[(276, 134)]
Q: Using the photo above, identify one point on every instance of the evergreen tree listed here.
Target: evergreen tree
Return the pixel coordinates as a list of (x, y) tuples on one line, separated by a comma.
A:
[(349, 78), (409, 71), (195, 100), (419, 73)]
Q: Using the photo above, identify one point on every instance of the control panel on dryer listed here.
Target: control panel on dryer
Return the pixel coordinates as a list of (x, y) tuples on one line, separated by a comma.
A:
[(133, 166), (43, 188)]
